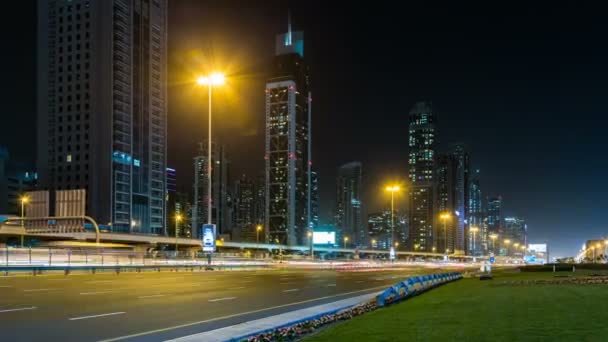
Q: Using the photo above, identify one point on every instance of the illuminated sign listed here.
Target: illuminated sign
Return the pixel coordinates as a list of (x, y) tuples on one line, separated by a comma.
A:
[(324, 238), (537, 248), (208, 234)]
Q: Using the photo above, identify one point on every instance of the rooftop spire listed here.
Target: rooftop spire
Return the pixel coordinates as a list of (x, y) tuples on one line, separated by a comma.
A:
[(288, 35)]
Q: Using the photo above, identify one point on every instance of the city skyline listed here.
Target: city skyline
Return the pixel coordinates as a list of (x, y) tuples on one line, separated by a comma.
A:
[(525, 192)]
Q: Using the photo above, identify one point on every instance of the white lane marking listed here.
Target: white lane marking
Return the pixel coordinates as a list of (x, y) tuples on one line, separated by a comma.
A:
[(59, 279), (5, 286), (331, 284), (98, 281), (94, 293), (240, 314), (95, 316), (287, 283), (37, 290), (19, 309), (152, 296), (221, 299), (359, 281), (236, 288), (291, 290), (248, 281)]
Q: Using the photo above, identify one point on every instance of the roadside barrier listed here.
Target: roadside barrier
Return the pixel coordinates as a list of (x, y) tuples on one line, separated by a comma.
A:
[(415, 285)]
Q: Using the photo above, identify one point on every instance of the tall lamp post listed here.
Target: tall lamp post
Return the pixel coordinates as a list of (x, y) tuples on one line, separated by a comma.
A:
[(24, 200), (445, 217), (392, 190), (178, 219), (345, 241), (474, 229), (312, 255), (493, 237), (212, 80), (507, 242)]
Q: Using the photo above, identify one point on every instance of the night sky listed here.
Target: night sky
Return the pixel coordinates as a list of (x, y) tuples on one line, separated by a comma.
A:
[(525, 88)]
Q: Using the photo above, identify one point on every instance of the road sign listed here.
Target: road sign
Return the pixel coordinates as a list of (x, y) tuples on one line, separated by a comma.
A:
[(208, 231), (492, 259), (392, 253)]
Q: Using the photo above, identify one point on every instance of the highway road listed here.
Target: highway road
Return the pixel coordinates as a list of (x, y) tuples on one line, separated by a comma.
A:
[(154, 306)]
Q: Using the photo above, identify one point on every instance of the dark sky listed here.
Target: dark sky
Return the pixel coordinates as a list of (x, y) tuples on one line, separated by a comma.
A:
[(524, 87)]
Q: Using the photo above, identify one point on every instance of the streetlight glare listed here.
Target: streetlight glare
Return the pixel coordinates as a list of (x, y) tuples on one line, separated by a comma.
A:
[(25, 199), (214, 79), (178, 217)]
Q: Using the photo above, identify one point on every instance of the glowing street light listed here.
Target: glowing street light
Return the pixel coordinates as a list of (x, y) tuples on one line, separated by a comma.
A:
[(212, 80), (392, 189), (258, 229), (445, 216), (493, 237), (178, 219), (24, 200), (474, 229), (345, 241)]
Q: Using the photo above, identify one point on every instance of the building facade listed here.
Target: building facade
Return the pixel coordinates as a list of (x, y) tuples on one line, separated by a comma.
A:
[(476, 218), (244, 210), (421, 165), (516, 229), (314, 199), (221, 206), (447, 225), (102, 109), (287, 145), (494, 217), (348, 205)]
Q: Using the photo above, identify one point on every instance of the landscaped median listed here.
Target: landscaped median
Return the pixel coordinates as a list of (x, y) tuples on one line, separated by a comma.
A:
[(402, 290), (514, 306)]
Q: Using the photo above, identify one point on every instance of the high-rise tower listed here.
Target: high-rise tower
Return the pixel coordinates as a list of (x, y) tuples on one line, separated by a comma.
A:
[(421, 161), (102, 109), (288, 143), (348, 204)]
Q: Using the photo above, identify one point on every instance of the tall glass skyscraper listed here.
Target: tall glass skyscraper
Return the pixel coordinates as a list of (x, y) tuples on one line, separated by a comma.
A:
[(348, 204), (288, 143), (421, 161), (494, 215), (476, 217), (102, 109)]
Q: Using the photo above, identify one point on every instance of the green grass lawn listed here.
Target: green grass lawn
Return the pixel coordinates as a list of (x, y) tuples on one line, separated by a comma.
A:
[(474, 310)]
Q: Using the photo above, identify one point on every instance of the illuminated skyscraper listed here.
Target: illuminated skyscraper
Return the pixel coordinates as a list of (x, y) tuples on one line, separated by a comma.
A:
[(348, 204), (476, 217), (102, 107), (421, 161), (288, 143), (494, 215)]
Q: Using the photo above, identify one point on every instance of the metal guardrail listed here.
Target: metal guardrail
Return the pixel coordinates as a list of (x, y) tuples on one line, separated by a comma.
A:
[(50, 227), (407, 288), (36, 270)]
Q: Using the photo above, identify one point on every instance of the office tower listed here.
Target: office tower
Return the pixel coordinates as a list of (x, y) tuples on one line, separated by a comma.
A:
[(15, 180), (244, 210), (379, 227), (476, 218), (220, 199), (171, 200), (314, 198), (447, 226), (494, 215), (102, 107), (348, 205), (421, 163), (288, 143), (516, 229), (461, 199)]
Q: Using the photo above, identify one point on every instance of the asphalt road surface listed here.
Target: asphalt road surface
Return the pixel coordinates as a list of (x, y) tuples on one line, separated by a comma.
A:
[(158, 306)]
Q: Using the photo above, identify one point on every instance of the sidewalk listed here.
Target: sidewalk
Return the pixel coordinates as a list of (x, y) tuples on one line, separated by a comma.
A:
[(239, 331)]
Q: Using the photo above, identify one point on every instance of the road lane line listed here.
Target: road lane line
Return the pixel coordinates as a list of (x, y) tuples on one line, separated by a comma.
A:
[(248, 281), (19, 309), (221, 299), (215, 319), (98, 281), (236, 288), (152, 296), (291, 290), (37, 290), (95, 316), (5, 286), (359, 281), (94, 293)]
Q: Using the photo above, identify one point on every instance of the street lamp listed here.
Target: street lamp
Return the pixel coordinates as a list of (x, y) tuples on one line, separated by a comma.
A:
[(445, 217), (474, 230), (345, 241), (493, 237), (212, 80), (178, 219), (373, 243), (312, 255), (392, 189), (258, 229), (507, 242), (24, 200)]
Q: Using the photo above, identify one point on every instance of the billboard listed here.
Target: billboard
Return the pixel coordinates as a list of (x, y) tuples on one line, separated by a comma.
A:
[(208, 234), (324, 238), (537, 248)]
